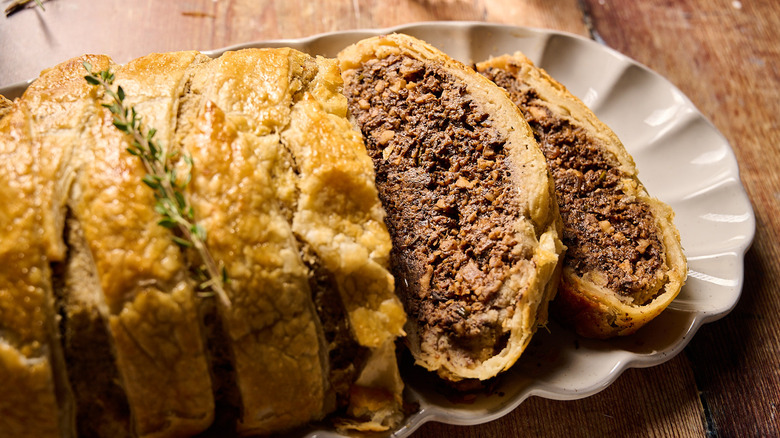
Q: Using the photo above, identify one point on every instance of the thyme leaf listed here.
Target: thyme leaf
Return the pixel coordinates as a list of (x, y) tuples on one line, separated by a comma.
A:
[(166, 182)]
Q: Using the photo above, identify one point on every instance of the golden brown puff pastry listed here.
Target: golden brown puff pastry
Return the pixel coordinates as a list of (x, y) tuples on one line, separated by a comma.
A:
[(36, 398), (5, 106), (312, 316), (469, 203), (143, 275), (624, 262), (338, 215), (133, 280), (60, 106), (271, 322), (279, 116)]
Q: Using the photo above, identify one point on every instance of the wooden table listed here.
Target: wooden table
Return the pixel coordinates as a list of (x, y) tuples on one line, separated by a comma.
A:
[(725, 55)]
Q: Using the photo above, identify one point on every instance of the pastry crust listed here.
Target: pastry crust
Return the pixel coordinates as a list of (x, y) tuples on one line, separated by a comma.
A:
[(586, 299), (518, 295), (337, 212), (32, 241), (61, 105), (274, 161), (29, 405), (5, 106), (271, 323)]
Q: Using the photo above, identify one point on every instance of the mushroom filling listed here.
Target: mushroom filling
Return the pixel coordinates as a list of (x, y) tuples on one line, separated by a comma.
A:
[(604, 230), (443, 177)]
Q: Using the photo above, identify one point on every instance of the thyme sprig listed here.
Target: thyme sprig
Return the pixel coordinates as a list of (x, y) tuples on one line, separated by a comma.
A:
[(18, 5), (168, 184)]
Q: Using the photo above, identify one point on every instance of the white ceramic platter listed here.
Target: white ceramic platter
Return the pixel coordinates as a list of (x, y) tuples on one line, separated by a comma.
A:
[(682, 159)]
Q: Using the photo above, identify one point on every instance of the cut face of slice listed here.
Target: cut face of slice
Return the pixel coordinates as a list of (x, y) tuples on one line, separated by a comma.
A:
[(624, 263), (605, 231), (445, 183)]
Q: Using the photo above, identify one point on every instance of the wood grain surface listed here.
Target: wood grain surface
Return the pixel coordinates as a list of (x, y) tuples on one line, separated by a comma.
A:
[(724, 55)]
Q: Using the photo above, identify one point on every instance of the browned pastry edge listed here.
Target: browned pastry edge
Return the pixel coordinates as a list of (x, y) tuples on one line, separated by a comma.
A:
[(584, 301)]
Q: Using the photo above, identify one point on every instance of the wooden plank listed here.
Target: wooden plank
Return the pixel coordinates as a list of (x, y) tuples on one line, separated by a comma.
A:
[(273, 20), (33, 40), (653, 402), (724, 56)]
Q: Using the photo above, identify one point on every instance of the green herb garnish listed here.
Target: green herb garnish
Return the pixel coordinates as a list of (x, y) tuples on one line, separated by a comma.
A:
[(168, 184), (18, 5)]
